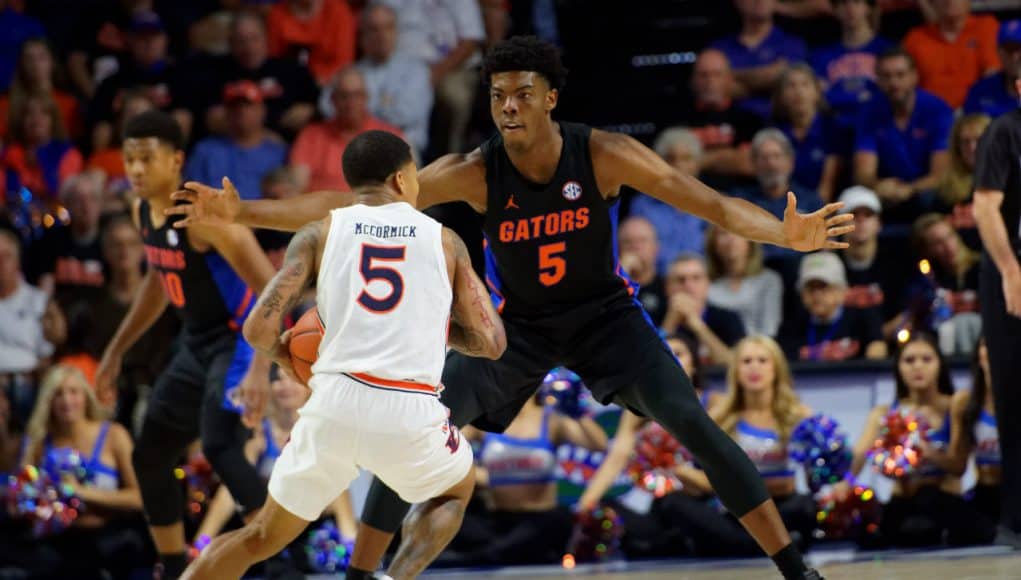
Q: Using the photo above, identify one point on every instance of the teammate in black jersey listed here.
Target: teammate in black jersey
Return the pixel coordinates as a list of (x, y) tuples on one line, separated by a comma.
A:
[(211, 276), (548, 191)]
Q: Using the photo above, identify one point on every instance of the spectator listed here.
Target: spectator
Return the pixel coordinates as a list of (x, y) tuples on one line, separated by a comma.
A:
[(109, 159), (956, 187), (638, 250), (741, 284), (147, 66), (759, 53), (944, 295), (23, 342), (446, 34), (848, 68), (37, 75), (677, 231), (723, 129), (773, 157), (123, 254), (67, 261), (826, 329), (38, 155), (319, 34), (819, 143), (319, 147), (15, 30), (247, 153), (288, 88), (100, 41), (690, 316), (926, 506), (876, 279), (953, 51), (281, 183), (997, 94), (67, 432), (901, 143), (400, 89)]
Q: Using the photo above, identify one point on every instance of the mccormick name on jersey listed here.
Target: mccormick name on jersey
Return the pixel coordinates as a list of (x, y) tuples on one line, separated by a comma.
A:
[(382, 232), (551, 224)]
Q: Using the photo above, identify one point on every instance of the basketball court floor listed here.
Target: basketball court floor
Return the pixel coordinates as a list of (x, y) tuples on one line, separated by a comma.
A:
[(992, 563)]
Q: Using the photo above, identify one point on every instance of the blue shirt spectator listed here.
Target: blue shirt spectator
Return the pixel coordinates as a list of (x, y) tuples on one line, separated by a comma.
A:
[(247, 154), (15, 29), (849, 75), (824, 138), (400, 86), (905, 153), (995, 95), (760, 46)]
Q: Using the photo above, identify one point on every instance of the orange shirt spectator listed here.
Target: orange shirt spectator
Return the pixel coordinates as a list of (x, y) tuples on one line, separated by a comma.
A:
[(320, 146), (948, 67), (319, 33), (66, 103)]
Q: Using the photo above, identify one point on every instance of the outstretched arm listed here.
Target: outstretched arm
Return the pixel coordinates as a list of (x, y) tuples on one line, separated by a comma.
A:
[(262, 328), (218, 207), (621, 160), (475, 326)]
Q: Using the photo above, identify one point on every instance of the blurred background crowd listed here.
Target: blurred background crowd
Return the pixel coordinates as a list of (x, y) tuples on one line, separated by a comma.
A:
[(876, 103)]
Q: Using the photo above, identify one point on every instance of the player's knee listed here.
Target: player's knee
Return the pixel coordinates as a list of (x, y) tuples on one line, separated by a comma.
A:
[(259, 540)]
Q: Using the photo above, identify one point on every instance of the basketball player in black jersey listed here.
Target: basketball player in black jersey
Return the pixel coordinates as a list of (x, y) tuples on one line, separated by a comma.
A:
[(211, 277), (547, 191)]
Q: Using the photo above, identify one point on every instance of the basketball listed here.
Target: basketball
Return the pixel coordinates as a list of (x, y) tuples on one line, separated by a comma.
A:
[(304, 346)]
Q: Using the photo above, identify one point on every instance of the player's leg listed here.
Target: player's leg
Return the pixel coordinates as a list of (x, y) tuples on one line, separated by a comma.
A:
[(230, 555), (223, 433), (472, 387), (169, 426), (663, 392), (1001, 331)]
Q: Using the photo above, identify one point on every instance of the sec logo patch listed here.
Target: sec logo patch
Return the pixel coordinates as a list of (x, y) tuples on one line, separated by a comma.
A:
[(571, 191)]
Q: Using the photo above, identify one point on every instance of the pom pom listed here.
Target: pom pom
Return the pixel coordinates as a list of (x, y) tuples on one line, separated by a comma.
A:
[(564, 389), (327, 552), (201, 484), (853, 516), (43, 500), (896, 452), (596, 537), (820, 446), (656, 456)]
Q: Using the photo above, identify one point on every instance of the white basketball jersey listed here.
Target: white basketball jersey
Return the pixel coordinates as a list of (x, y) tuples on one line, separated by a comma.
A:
[(384, 297)]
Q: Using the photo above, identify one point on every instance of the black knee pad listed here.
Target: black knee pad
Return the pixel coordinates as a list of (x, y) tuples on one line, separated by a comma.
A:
[(384, 509), (155, 455), (229, 462)]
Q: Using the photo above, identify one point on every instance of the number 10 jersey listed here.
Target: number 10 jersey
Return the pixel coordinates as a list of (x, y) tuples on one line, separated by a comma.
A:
[(384, 298)]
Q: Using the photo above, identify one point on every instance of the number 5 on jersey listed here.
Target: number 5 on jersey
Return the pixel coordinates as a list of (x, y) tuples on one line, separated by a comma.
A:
[(552, 265), (370, 272)]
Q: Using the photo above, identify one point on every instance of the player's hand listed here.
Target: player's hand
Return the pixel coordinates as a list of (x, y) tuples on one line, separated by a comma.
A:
[(1012, 292), (810, 232), (254, 392), (106, 379), (281, 355), (206, 205)]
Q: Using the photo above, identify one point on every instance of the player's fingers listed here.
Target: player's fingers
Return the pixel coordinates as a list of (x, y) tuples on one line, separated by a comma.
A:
[(831, 208), (200, 188), (831, 245), (839, 231), (792, 203), (184, 195), (839, 219), (181, 224)]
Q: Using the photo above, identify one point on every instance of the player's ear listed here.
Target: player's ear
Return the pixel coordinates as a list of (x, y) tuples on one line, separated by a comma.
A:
[(400, 181), (178, 160), (552, 96)]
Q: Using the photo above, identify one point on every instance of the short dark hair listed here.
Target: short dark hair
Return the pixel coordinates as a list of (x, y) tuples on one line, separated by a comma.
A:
[(526, 53), (156, 124), (373, 156), (897, 52)]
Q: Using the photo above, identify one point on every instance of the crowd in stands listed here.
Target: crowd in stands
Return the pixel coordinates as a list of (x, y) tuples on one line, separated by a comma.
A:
[(884, 115)]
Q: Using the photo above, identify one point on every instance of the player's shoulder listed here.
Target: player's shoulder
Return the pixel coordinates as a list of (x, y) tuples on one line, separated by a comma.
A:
[(456, 165)]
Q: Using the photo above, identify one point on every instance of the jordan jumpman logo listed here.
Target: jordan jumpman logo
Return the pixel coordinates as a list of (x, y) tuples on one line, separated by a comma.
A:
[(510, 203)]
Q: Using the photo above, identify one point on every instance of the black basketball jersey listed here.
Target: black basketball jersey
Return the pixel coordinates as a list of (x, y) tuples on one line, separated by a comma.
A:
[(202, 287), (550, 246)]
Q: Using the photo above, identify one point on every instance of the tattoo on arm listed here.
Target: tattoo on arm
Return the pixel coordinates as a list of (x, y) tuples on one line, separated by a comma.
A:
[(466, 341), (473, 319), (284, 290)]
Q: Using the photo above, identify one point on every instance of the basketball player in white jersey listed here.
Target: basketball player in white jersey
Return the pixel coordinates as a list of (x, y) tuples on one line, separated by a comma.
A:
[(390, 282)]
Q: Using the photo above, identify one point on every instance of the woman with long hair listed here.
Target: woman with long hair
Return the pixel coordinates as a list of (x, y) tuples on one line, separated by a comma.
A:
[(760, 411), (741, 283), (38, 73), (68, 433), (38, 154), (956, 187), (924, 503), (799, 110)]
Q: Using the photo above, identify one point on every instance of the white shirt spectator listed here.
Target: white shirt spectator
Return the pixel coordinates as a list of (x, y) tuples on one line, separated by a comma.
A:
[(21, 330), (401, 93), (429, 29), (758, 301)]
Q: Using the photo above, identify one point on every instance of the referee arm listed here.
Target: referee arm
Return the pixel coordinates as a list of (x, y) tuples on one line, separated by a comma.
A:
[(994, 237)]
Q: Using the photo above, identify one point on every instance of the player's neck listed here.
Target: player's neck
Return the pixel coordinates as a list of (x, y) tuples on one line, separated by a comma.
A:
[(376, 197), (157, 204), (538, 163)]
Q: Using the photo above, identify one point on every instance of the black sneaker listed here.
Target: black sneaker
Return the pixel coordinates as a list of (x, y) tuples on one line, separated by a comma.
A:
[(812, 574)]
